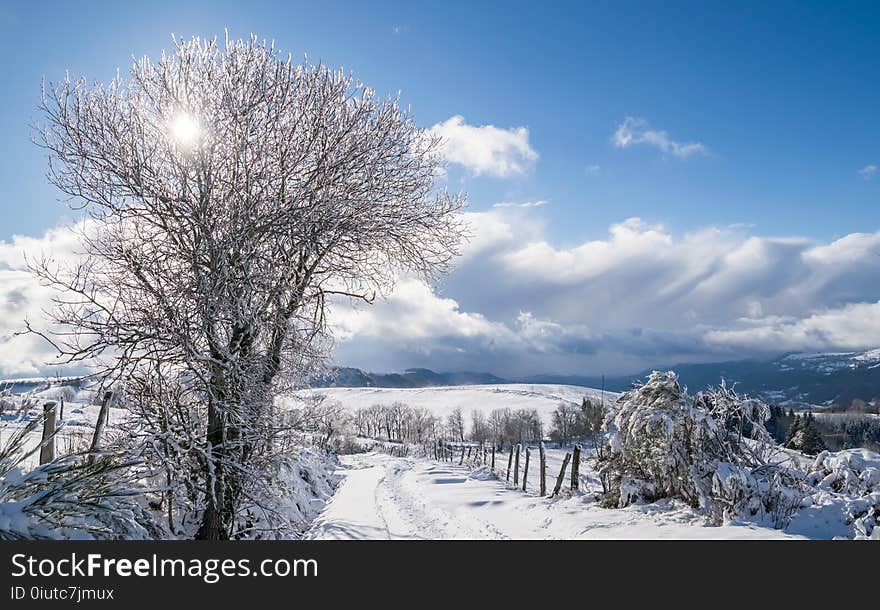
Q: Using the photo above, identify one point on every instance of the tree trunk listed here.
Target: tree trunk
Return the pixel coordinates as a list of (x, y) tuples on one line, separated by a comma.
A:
[(218, 515)]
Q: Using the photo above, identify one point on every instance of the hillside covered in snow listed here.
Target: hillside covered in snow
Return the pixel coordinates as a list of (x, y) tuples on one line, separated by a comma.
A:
[(800, 380)]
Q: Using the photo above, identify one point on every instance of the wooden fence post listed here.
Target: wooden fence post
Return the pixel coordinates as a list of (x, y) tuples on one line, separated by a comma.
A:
[(61, 416), (543, 470), (47, 446), (493, 457), (575, 467), (509, 462), (516, 466), (461, 461), (526, 469), (103, 417), (561, 476)]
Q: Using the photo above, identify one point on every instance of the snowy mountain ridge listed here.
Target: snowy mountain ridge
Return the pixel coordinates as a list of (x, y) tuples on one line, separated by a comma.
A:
[(799, 380)]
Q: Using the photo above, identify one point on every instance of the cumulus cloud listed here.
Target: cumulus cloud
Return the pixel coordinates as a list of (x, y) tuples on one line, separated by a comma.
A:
[(641, 296), (633, 131), (853, 326), (485, 149), (517, 303), (22, 297)]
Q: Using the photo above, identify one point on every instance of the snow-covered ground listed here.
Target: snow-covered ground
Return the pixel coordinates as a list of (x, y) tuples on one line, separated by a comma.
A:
[(442, 401), (383, 497), (75, 429), (412, 497)]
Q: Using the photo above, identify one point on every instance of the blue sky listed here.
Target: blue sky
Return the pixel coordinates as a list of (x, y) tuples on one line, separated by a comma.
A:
[(784, 96), (756, 121)]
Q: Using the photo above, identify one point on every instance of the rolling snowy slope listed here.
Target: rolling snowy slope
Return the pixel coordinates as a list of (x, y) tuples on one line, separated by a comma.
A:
[(442, 401)]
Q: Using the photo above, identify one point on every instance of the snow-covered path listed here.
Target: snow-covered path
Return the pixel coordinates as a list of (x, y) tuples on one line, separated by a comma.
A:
[(383, 497)]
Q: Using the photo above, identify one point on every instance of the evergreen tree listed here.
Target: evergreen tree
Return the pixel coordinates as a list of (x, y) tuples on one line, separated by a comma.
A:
[(811, 438), (794, 434)]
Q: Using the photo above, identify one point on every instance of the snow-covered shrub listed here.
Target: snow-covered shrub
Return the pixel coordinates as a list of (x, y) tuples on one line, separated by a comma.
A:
[(708, 450), (847, 482), (75, 496), (301, 485)]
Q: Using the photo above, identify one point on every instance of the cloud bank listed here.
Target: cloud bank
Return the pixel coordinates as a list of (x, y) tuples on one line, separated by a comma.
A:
[(640, 297), (517, 303)]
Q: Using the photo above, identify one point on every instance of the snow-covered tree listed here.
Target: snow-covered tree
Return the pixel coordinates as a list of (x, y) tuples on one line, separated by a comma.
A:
[(232, 194), (709, 450), (805, 435)]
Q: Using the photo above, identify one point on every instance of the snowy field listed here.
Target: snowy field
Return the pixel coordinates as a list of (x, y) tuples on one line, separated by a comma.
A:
[(442, 401), (75, 428)]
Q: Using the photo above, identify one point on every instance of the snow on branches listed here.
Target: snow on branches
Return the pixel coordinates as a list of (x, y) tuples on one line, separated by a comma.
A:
[(710, 450), (232, 195)]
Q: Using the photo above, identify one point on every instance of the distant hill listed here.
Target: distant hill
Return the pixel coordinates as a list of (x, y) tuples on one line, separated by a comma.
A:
[(346, 377), (796, 380)]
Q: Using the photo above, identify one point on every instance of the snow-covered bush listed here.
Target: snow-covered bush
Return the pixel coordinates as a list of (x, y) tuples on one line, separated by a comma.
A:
[(847, 483), (302, 484), (709, 450), (76, 496)]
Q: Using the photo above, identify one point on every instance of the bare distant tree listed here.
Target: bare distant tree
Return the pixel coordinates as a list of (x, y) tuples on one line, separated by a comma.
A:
[(499, 423), (455, 421), (231, 194), (479, 426)]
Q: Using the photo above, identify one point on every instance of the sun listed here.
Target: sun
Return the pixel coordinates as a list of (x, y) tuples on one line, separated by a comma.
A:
[(185, 129)]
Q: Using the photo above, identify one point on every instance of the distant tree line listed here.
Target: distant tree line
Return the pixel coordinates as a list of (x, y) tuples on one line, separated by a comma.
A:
[(401, 422), (840, 427), (574, 423)]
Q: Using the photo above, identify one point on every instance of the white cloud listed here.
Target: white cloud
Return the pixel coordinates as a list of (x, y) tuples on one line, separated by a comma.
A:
[(634, 131), (518, 303), (525, 204), (594, 169), (854, 326), (413, 312), (868, 171), (22, 297), (642, 296), (485, 149)]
